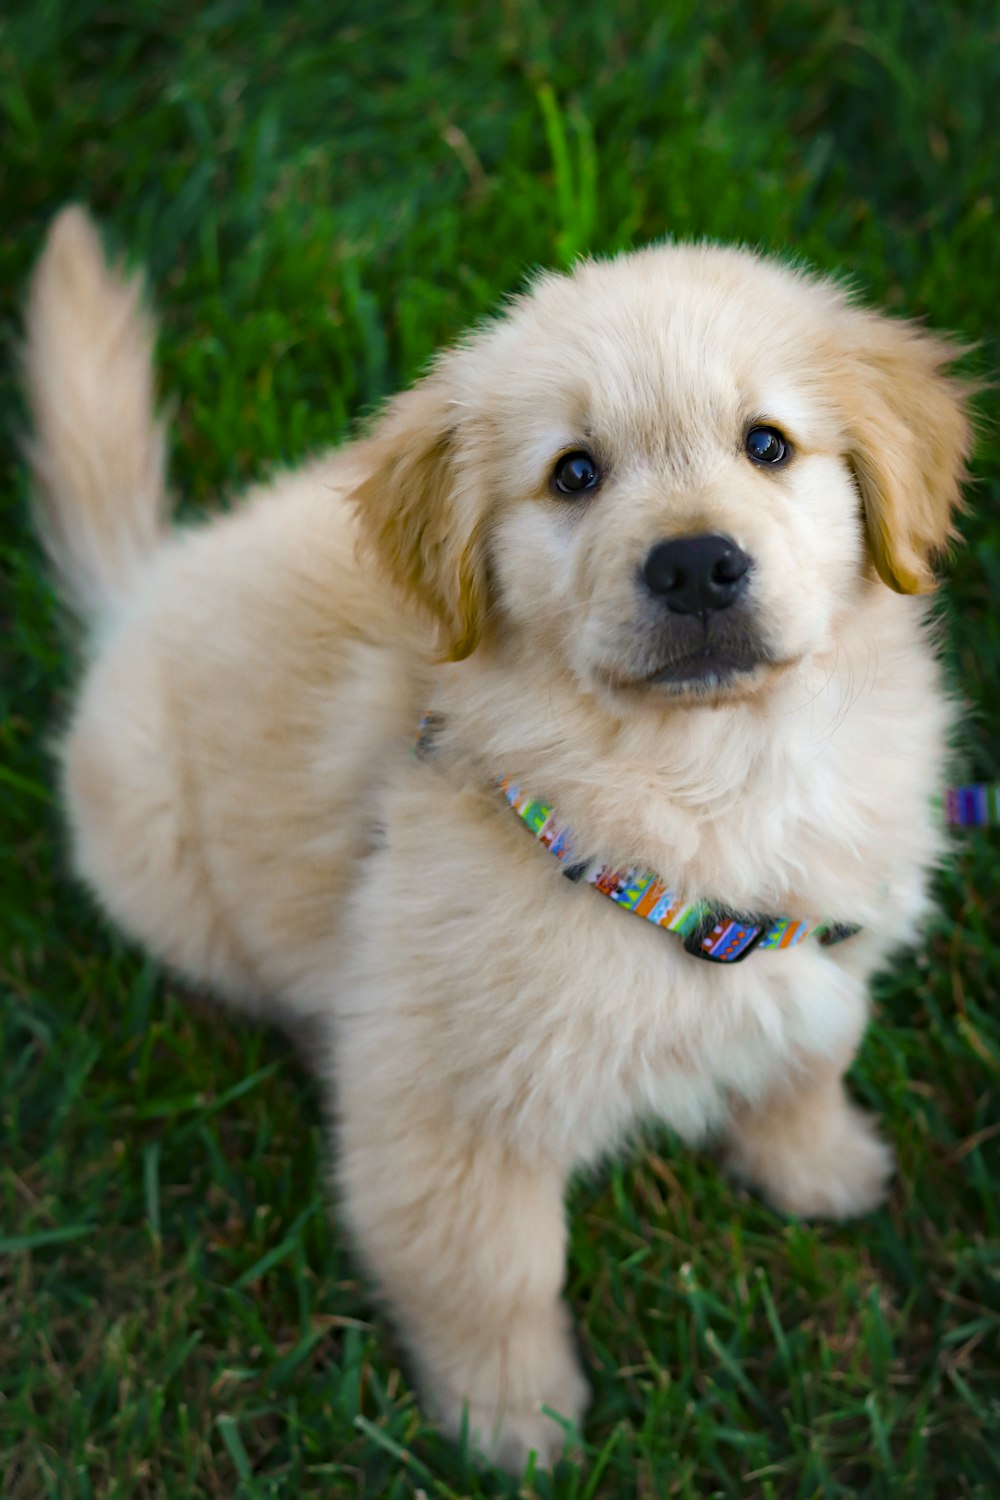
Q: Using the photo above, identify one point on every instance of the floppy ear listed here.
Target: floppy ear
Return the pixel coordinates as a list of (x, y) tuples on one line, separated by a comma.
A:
[(420, 513), (910, 437)]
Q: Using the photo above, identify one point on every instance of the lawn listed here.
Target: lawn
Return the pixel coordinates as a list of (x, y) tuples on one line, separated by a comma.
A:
[(323, 195)]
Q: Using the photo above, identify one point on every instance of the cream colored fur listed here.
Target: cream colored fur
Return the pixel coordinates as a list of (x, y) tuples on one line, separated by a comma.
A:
[(242, 800)]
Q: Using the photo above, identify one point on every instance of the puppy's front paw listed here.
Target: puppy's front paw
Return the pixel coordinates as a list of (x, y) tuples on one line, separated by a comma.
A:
[(507, 1438), (505, 1428), (835, 1166)]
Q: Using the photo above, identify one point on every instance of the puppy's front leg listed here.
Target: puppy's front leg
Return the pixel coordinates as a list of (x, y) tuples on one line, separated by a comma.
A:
[(467, 1242), (809, 1149)]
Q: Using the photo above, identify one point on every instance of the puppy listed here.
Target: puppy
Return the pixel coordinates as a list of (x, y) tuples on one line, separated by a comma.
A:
[(647, 551)]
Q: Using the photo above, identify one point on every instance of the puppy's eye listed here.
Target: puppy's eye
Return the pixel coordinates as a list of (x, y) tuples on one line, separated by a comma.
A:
[(574, 473), (766, 445)]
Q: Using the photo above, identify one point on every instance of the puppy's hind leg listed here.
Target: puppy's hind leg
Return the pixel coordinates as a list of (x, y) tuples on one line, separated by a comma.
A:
[(135, 821), (467, 1243)]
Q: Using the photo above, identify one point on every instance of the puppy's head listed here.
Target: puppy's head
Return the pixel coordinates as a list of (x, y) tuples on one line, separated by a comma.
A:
[(671, 473)]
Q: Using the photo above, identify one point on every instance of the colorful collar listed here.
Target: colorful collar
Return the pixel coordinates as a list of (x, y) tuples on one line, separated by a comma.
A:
[(708, 930)]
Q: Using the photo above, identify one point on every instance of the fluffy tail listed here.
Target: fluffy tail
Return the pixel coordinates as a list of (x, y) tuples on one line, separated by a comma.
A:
[(97, 454)]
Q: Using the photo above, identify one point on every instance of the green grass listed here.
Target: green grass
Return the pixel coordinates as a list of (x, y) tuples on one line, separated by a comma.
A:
[(324, 194)]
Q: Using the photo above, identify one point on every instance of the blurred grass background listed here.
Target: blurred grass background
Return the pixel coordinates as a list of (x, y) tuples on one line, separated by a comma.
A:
[(324, 194)]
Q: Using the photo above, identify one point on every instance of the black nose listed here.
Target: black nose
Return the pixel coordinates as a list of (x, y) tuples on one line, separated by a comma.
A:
[(696, 574)]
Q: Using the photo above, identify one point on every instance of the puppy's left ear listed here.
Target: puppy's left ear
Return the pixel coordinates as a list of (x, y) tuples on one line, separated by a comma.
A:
[(420, 511), (910, 434)]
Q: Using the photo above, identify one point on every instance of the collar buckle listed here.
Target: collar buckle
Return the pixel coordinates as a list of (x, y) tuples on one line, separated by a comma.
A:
[(725, 937)]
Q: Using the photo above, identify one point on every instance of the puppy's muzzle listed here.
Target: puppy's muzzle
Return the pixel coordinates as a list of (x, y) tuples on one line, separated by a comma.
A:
[(696, 575)]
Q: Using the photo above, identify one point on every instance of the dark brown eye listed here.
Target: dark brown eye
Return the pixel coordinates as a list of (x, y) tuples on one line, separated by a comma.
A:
[(766, 445), (574, 473)]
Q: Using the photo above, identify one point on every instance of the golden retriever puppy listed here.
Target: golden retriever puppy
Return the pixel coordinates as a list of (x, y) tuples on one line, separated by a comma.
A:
[(646, 550)]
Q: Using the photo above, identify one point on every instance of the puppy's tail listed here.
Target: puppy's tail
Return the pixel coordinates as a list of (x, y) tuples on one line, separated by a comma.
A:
[(97, 455)]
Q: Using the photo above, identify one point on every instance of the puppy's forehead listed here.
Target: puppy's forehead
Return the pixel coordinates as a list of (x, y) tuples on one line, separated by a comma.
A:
[(663, 343)]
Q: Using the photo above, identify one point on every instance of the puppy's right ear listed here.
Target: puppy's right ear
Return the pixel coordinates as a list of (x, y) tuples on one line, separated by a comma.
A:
[(419, 510)]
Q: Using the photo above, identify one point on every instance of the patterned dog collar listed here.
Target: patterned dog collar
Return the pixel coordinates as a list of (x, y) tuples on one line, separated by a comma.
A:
[(709, 931)]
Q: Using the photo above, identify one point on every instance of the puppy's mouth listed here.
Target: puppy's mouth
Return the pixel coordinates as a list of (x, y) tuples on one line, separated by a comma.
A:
[(698, 659), (710, 674), (705, 670)]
